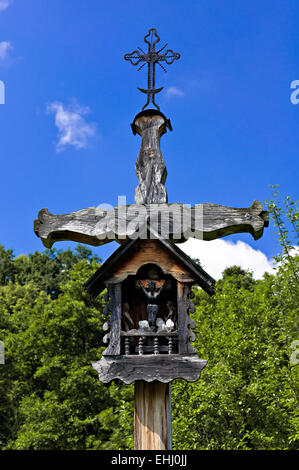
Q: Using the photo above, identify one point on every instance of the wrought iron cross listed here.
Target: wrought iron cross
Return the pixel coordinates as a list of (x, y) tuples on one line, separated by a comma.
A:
[(151, 58)]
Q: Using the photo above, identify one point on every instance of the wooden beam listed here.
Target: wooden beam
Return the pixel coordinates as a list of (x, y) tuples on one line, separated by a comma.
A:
[(152, 417), (96, 226)]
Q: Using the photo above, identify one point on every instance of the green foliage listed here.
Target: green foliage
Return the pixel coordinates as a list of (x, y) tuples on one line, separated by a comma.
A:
[(247, 397), (51, 398), (285, 215)]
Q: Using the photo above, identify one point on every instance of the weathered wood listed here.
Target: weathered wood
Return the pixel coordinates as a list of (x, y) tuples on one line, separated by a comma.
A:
[(114, 321), (177, 222), (150, 166), (149, 367), (150, 355), (152, 416), (184, 321)]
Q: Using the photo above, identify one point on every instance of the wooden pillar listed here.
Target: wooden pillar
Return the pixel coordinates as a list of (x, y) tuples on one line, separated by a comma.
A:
[(152, 417)]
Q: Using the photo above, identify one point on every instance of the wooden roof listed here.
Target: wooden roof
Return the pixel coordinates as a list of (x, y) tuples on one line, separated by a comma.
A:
[(171, 259)]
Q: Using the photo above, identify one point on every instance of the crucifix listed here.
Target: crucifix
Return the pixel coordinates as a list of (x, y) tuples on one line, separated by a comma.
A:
[(148, 280), (151, 58)]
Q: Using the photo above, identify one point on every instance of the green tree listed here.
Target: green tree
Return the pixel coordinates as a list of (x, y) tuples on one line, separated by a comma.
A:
[(52, 398), (247, 397)]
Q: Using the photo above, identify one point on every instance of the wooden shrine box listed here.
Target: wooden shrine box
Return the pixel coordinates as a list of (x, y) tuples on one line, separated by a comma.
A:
[(148, 303)]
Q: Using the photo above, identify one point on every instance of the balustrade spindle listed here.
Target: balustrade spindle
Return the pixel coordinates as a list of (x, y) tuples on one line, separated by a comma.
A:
[(140, 346), (127, 346), (156, 345), (170, 344)]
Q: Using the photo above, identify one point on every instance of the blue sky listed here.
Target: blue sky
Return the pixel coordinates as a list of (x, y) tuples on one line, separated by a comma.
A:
[(235, 130)]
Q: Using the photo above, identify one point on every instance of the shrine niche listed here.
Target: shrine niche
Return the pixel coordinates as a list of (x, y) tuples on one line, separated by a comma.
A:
[(148, 329)]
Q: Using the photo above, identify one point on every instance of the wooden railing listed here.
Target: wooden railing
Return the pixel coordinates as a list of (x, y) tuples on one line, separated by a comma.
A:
[(156, 347)]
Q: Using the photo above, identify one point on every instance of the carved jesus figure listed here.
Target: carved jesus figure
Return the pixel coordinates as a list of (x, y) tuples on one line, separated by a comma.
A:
[(152, 292)]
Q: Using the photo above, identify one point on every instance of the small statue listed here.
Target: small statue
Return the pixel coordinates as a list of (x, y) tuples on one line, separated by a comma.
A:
[(144, 326), (169, 325), (162, 326), (127, 319), (171, 313)]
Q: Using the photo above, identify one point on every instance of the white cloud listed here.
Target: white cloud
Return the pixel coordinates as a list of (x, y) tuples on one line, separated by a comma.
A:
[(73, 130), (216, 255), (174, 91), (4, 4), (5, 49), (295, 251)]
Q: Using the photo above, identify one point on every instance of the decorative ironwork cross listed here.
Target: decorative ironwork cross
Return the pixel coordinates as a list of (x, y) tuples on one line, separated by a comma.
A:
[(151, 58)]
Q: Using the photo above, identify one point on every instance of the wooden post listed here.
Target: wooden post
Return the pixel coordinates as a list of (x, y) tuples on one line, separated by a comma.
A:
[(152, 418)]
